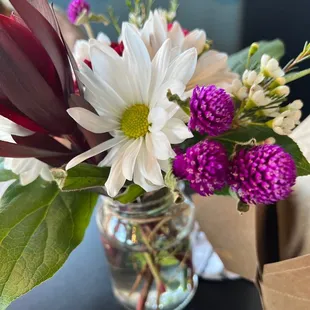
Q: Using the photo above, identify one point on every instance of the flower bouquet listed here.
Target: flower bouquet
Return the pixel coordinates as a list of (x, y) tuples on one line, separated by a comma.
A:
[(133, 122)]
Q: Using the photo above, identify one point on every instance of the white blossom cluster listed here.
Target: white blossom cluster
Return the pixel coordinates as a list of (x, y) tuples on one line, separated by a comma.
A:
[(264, 92)]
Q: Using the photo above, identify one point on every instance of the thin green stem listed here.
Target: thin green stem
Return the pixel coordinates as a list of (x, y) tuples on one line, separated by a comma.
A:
[(154, 271), (89, 30)]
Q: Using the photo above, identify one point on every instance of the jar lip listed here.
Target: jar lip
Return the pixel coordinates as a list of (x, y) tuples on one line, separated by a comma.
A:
[(162, 202)]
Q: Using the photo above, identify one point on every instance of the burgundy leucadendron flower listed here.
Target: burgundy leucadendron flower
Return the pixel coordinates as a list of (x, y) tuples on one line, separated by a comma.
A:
[(204, 165), (262, 174), (36, 86), (212, 110), (75, 8)]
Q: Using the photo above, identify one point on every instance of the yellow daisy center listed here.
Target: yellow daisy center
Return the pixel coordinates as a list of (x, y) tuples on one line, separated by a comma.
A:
[(134, 121)]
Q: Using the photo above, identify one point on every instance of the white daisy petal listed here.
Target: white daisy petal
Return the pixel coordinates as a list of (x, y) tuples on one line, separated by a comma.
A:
[(141, 180), (197, 39), (164, 165), (116, 179), (104, 48), (46, 174), (91, 121), (138, 60), (160, 65), (111, 100), (151, 168), (183, 67), (161, 146), (29, 176), (109, 158), (157, 118), (102, 37), (176, 131), (212, 69), (9, 127), (130, 156), (100, 148), (176, 35), (160, 96)]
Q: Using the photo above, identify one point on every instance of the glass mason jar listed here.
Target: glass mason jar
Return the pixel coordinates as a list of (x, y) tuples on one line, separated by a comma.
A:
[(147, 245)]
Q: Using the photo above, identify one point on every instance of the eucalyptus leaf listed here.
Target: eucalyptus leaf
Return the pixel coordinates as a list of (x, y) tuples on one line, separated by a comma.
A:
[(39, 228), (237, 62), (6, 175), (81, 177), (293, 76), (131, 193)]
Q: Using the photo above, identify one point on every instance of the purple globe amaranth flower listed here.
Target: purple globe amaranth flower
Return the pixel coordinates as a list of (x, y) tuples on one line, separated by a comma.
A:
[(212, 110), (204, 165), (263, 174), (179, 166), (75, 8)]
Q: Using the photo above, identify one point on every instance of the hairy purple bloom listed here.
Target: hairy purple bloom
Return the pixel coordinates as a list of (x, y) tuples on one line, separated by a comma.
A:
[(75, 8), (212, 110), (179, 166), (204, 165), (263, 174)]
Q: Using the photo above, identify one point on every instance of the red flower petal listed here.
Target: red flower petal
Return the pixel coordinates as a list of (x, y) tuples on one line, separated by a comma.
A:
[(118, 47)]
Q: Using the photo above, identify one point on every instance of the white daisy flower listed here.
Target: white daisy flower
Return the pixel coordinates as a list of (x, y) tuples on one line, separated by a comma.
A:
[(129, 95), (212, 66), (28, 169)]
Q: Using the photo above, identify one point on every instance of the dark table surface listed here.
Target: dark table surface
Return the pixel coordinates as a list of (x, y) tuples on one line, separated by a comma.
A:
[(83, 283)]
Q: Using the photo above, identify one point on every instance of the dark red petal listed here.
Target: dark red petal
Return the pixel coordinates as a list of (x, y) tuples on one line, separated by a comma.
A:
[(34, 51), (17, 117), (49, 39), (42, 141), (21, 151), (22, 84), (45, 142), (118, 47), (44, 8), (88, 63)]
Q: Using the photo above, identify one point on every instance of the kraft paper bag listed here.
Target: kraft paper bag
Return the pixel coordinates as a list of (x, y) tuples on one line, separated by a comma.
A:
[(232, 236), (269, 245)]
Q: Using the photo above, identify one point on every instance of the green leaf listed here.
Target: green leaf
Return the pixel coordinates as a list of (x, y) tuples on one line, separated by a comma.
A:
[(237, 61), (81, 177), (261, 133), (296, 75), (223, 192), (168, 260), (6, 175), (39, 228), (131, 193)]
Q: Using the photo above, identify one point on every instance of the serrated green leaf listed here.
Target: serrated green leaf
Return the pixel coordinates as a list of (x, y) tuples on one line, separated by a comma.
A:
[(83, 176), (237, 61), (6, 175), (296, 75), (131, 193), (39, 227)]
